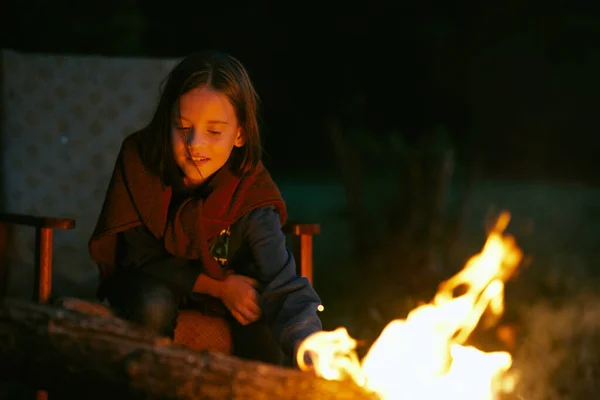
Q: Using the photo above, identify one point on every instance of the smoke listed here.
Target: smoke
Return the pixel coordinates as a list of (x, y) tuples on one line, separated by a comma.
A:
[(559, 356)]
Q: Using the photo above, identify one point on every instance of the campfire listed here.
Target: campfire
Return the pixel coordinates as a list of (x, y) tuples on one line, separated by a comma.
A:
[(425, 356)]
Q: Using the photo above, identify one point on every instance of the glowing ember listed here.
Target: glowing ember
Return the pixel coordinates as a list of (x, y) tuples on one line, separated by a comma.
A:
[(424, 356)]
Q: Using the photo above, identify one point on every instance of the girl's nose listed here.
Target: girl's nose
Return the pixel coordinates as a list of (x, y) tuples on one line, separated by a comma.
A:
[(197, 138)]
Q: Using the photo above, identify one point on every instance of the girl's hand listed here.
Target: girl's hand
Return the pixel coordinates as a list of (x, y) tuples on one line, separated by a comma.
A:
[(241, 298)]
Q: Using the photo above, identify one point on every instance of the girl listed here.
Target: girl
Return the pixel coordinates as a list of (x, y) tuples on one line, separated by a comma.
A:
[(192, 215)]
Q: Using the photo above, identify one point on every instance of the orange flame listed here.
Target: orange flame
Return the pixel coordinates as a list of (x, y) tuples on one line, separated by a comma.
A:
[(424, 356)]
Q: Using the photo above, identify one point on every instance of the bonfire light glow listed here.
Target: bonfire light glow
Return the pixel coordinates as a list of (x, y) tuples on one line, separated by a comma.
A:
[(425, 356)]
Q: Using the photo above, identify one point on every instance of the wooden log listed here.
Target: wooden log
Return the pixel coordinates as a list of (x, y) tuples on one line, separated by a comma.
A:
[(89, 356)]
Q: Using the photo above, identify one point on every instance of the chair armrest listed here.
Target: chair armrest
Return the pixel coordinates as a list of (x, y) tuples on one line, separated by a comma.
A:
[(298, 229), (37, 222)]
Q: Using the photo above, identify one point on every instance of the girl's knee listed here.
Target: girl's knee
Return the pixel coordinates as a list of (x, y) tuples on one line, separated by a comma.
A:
[(155, 308)]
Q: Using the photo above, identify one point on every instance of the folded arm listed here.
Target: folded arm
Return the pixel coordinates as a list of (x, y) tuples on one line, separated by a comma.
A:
[(145, 253)]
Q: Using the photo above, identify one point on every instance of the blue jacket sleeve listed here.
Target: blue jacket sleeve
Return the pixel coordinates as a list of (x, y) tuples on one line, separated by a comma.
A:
[(288, 302)]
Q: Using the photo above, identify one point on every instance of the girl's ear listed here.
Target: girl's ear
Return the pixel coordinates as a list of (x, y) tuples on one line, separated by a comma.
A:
[(240, 139)]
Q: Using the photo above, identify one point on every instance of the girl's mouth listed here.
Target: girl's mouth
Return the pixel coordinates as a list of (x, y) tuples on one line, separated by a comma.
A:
[(198, 160)]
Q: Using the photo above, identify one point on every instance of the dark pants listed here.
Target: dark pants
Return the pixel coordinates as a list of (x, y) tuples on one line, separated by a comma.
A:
[(151, 303)]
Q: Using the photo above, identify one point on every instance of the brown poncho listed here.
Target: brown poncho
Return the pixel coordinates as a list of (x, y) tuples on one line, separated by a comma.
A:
[(135, 197)]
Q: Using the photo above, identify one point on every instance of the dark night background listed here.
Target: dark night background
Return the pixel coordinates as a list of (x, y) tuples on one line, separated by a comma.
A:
[(428, 115), (515, 82)]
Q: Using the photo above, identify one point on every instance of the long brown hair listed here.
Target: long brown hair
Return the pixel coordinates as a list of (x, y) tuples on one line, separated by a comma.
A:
[(219, 72)]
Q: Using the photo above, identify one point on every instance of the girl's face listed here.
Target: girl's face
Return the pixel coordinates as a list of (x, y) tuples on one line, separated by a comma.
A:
[(203, 134)]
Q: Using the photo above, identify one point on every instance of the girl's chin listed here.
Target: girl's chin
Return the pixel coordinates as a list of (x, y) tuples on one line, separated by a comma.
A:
[(193, 177), (193, 181)]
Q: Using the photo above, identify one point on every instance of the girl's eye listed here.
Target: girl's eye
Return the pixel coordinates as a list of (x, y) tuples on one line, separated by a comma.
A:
[(183, 129), (214, 132)]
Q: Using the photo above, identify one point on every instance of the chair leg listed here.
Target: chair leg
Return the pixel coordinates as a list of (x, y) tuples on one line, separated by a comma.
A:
[(303, 249), (43, 276), (43, 265)]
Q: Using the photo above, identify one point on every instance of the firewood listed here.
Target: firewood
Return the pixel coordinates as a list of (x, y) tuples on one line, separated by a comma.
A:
[(69, 353)]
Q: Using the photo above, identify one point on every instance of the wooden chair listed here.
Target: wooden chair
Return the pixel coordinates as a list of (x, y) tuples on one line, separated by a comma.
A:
[(44, 228), (190, 323)]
